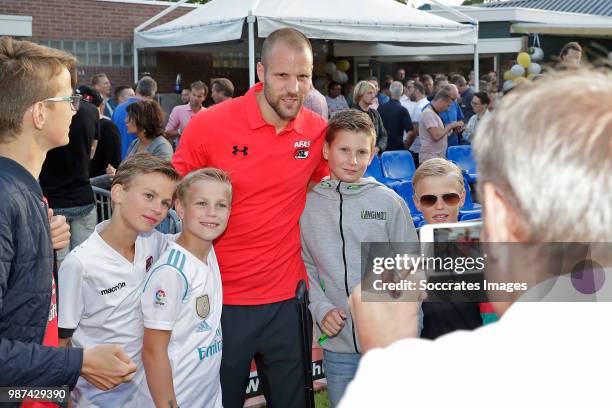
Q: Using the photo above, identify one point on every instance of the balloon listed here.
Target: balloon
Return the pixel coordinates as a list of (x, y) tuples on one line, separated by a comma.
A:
[(523, 59), (520, 80), (337, 76), (537, 54), (531, 76), (343, 65), (517, 70), (508, 84), (319, 69), (330, 68), (345, 79), (534, 68), (508, 75)]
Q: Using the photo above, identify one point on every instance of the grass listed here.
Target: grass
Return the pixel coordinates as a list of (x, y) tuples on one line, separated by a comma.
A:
[(321, 400)]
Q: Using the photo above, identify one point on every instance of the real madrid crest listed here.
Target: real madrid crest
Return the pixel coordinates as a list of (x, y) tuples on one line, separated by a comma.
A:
[(203, 306)]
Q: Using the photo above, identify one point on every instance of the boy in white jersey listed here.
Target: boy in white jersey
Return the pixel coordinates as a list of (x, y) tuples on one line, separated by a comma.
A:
[(101, 280), (182, 299)]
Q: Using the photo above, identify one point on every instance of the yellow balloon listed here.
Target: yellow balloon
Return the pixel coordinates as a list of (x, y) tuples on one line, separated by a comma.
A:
[(508, 75), (520, 80), (343, 65), (530, 76), (319, 69), (523, 59)]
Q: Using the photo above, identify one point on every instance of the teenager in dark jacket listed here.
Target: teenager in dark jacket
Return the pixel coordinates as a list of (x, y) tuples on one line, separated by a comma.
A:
[(35, 113)]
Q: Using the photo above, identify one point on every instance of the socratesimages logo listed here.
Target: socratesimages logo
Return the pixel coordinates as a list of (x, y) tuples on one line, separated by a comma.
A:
[(160, 298)]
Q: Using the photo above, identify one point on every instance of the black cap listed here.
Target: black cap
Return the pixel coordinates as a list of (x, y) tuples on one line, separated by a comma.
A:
[(90, 95)]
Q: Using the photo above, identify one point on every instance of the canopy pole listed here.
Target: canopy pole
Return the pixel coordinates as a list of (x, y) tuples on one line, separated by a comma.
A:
[(145, 24), (476, 62), (251, 22), (474, 23)]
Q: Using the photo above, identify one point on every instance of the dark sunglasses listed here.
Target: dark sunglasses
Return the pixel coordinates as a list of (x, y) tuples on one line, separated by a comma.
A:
[(429, 200)]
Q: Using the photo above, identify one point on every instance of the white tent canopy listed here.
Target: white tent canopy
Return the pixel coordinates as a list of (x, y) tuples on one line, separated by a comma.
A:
[(352, 20)]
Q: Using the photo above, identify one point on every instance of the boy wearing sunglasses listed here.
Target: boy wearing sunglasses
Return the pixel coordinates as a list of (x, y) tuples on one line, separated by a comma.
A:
[(341, 212), (439, 192)]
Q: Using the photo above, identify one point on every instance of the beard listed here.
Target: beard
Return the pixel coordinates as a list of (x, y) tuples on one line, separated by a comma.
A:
[(275, 102)]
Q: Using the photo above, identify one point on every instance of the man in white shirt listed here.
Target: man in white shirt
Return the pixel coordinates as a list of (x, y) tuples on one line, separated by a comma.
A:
[(538, 354), (334, 98), (413, 142)]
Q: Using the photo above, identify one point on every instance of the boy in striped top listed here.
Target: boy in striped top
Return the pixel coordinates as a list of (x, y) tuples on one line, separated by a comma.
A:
[(182, 299)]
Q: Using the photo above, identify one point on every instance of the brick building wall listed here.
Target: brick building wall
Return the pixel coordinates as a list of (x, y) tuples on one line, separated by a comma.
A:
[(89, 20)]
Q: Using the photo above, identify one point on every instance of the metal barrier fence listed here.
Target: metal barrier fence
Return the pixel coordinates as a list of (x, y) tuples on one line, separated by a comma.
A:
[(104, 208)]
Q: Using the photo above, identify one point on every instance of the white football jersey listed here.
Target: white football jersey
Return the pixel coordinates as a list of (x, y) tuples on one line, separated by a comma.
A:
[(182, 294), (99, 298)]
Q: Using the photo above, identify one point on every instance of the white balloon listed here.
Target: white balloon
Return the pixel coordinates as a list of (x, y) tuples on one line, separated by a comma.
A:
[(534, 68), (537, 54), (344, 78), (517, 70), (337, 76), (330, 68), (509, 84)]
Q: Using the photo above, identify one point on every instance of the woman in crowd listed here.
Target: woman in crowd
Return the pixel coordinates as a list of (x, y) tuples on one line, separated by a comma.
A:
[(364, 95), (480, 105)]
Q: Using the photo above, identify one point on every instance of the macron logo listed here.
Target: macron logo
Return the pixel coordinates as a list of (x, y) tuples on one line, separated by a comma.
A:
[(115, 288)]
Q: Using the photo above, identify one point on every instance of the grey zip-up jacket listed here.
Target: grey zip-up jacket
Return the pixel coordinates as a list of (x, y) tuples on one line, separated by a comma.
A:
[(337, 218)]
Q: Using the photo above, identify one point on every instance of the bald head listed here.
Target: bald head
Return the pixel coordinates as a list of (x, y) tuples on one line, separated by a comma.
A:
[(290, 38)]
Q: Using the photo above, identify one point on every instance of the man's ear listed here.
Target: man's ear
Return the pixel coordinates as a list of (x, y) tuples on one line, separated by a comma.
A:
[(326, 150), (261, 72), (501, 222)]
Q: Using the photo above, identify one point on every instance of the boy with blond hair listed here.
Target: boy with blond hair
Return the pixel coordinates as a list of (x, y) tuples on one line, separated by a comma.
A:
[(182, 299), (341, 212), (439, 193), (102, 278)]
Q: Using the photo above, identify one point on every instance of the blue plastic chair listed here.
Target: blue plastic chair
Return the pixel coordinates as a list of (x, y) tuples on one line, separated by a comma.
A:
[(471, 216), (398, 165), (469, 207), (406, 192), (462, 156), (375, 170), (171, 224)]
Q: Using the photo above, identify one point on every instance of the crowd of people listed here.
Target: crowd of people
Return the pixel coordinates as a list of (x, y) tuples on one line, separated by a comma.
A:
[(270, 194)]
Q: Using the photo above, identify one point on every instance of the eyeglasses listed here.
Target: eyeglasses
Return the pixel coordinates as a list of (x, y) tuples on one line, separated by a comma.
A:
[(429, 200), (75, 100)]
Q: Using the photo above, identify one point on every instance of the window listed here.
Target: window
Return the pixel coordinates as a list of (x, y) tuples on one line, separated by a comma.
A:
[(95, 53)]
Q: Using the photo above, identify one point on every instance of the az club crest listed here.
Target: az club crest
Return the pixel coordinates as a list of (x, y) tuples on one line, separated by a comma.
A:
[(203, 306)]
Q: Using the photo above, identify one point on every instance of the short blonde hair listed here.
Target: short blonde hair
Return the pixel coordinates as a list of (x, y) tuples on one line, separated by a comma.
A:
[(205, 174), (361, 88), (553, 166), (437, 168)]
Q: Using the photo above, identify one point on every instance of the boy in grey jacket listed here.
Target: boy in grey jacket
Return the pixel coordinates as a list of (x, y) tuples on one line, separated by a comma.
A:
[(341, 212)]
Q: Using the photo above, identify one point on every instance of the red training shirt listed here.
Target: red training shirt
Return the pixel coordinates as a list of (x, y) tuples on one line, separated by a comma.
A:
[(259, 254)]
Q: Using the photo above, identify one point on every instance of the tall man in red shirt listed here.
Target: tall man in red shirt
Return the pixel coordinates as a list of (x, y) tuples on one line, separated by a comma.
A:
[(271, 147)]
